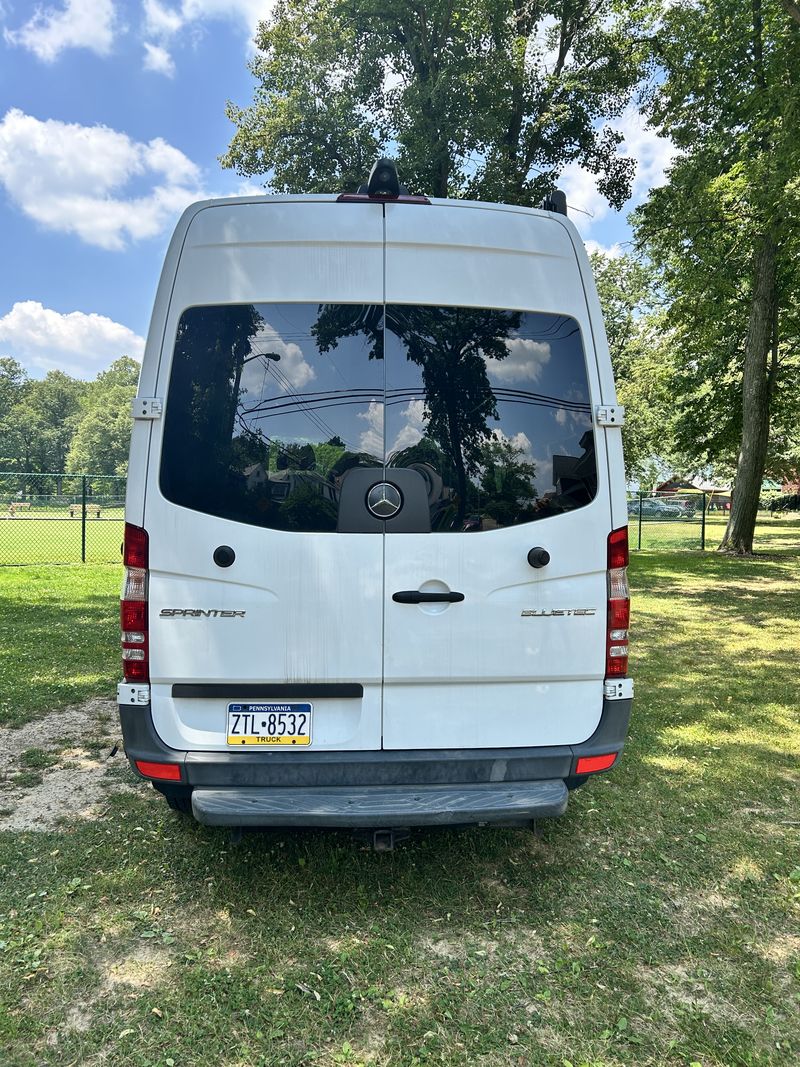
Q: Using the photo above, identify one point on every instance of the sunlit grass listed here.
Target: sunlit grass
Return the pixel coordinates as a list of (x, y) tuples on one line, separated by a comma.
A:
[(59, 637), (51, 539), (657, 923)]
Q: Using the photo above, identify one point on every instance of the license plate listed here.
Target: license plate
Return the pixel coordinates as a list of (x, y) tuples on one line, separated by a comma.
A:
[(269, 724)]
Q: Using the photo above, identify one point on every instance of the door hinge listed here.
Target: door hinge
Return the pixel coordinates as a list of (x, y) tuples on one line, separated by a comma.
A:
[(609, 415), (146, 407), (133, 694), (618, 688)]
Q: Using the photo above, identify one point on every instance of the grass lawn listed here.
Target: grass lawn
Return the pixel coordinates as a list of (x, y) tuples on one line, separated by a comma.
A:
[(59, 637), (655, 924), (53, 537), (771, 531)]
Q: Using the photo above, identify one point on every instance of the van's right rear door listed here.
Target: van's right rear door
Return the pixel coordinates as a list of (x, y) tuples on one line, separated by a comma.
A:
[(491, 379)]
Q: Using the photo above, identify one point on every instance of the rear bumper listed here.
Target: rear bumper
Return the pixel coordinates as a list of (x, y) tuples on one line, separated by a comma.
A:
[(374, 789), (378, 806)]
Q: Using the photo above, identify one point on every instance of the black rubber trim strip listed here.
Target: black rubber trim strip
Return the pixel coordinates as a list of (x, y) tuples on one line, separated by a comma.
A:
[(267, 690)]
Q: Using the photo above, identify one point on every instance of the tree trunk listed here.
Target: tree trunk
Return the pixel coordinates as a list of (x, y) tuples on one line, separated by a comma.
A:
[(738, 537)]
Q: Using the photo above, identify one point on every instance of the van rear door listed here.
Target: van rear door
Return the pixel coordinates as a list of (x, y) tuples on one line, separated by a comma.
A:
[(491, 379), (254, 597)]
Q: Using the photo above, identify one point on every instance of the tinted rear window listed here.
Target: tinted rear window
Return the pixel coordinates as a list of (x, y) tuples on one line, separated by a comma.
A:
[(270, 405)]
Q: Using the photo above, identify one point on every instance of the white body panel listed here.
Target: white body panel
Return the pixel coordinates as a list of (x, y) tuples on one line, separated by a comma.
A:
[(305, 595), (476, 674)]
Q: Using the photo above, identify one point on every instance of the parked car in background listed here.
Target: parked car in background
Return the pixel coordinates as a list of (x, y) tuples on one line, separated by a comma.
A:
[(652, 508)]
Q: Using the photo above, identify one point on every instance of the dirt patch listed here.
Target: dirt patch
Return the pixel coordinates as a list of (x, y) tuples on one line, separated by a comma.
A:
[(58, 729), (143, 969), (445, 948), (692, 913), (781, 950), (674, 984), (77, 786)]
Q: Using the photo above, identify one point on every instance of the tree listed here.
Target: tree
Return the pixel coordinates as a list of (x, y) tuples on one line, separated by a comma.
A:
[(642, 356), (102, 432), (123, 371), (13, 384), (489, 100), (507, 482), (103, 435), (726, 230), (39, 426)]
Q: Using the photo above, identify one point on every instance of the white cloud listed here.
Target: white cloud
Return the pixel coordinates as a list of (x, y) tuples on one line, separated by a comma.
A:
[(413, 427), (653, 154), (524, 361), (161, 21), (542, 48), (65, 176), (246, 12), (371, 439), (78, 24), (158, 60), (288, 373), (75, 342), (609, 251), (520, 442)]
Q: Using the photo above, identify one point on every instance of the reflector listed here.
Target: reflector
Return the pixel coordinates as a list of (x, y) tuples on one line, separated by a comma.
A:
[(168, 772), (590, 764)]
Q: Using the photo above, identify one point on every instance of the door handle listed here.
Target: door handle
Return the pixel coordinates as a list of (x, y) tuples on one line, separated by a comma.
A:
[(411, 596)]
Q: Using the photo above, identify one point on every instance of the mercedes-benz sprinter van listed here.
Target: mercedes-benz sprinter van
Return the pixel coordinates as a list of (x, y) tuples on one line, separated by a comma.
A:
[(376, 531)]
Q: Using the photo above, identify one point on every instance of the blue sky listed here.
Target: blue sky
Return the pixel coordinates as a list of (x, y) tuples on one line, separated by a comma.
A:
[(111, 121)]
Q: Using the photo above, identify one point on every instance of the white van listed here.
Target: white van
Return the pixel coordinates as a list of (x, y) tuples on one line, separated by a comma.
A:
[(376, 529)]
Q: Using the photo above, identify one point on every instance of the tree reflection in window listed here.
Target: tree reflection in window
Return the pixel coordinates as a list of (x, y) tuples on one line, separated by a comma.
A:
[(270, 406)]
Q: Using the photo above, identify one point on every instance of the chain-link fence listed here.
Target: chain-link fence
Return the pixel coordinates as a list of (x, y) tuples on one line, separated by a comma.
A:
[(60, 518), (78, 518), (686, 518)]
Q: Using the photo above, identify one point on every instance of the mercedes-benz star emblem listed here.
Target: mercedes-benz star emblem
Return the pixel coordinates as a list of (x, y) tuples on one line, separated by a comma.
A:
[(384, 500)]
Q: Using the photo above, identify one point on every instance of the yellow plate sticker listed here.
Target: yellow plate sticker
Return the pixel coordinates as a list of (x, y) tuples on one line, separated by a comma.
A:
[(270, 723)]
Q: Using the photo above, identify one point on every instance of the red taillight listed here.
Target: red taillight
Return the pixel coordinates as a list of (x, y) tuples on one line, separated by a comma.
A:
[(134, 548), (165, 772), (133, 606), (618, 548), (590, 764), (619, 605)]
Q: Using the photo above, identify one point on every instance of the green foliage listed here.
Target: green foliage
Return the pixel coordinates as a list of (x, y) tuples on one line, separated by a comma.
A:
[(643, 356), (483, 100), (60, 424), (38, 428), (730, 101), (102, 434), (507, 481)]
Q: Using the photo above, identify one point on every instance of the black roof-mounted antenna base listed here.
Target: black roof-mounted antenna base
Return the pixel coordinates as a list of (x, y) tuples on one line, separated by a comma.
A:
[(556, 200)]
